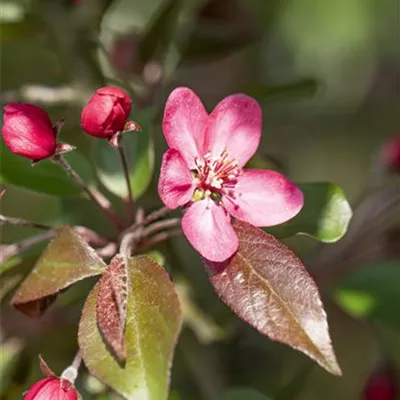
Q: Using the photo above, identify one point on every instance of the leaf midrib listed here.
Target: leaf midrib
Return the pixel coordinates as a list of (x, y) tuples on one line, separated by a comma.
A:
[(285, 306)]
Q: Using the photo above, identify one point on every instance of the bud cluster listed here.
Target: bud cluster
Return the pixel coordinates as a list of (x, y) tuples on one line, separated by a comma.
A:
[(28, 130)]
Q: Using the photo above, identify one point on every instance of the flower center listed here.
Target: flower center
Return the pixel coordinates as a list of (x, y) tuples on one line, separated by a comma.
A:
[(215, 176)]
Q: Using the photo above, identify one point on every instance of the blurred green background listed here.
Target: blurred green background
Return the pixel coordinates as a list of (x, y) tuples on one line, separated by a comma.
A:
[(327, 76)]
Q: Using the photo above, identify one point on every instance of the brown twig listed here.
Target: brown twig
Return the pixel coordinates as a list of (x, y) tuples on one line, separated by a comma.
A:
[(161, 225), (140, 223), (160, 237), (8, 251), (156, 215), (11, 250), (23, 222)]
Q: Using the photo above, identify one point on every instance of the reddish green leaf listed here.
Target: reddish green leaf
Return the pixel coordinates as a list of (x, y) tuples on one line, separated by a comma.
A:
[(152, 326), (267, 286), (111, 306), (67, 260)]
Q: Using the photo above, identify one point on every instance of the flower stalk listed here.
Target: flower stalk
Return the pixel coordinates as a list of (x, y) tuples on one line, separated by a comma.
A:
[(125, 168)]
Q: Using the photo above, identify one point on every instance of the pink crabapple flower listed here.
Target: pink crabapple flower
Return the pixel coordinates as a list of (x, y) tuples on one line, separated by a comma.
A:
[(106, 112), (203, 172), (51, 388), (28, 131)]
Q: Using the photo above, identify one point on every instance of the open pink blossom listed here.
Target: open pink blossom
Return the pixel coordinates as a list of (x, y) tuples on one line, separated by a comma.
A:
[(203, 172)]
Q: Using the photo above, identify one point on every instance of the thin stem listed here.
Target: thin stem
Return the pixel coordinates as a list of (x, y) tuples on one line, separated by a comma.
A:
[(125, 168), (96, 197), (160, 225), (23, 222), (156, 215), (134, 234), (11, 250), (160, 237)]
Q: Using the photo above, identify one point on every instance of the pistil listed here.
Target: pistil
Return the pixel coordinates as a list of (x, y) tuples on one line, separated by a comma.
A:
[(215, 176)]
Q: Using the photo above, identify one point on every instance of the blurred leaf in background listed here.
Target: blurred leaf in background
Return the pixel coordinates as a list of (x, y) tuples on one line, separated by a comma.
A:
[(139, 150), (372, 292)]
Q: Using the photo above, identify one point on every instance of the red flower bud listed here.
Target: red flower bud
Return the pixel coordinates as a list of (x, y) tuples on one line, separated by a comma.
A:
[(391, 153), (107, 112), (381, 385), (50, 389), (27, 131)]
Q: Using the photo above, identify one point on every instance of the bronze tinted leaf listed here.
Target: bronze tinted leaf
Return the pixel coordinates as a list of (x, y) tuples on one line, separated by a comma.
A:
[(111, 306), (153, 324), (67, 260), (267, 286)]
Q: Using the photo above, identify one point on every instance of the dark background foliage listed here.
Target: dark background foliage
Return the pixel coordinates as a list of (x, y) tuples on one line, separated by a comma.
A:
[(326, 75)]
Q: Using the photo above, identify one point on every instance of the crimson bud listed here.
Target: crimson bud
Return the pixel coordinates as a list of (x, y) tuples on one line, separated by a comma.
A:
[(51, 388), (391, 153), (28, 131), (381, 385), (107, 112)]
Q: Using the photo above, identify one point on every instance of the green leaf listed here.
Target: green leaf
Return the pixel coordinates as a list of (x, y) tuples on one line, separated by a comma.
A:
[(67, 260), (219, 29), (295, 386), (44, 177), (206, 45), (325, 216), (305, 87), (243, 393), (267, 286), (371, 292), (139, 150), (157, 36), (152, 326)]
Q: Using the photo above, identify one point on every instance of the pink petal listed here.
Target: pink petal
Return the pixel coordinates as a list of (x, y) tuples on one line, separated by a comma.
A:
[(208, 228), (184, 124), (29, 137), (235, 126), (264, 198), (175, 185), (31, 110)]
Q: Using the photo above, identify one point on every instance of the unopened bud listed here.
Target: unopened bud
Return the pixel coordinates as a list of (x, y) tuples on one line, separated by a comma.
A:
[(28, 131), (391, 154), (106, 112), (381, 385)]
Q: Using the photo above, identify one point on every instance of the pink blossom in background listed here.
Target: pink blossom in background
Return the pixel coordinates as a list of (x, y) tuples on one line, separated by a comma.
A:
[(203, 172), (51, 388), (106, 112), (27, 131), (391, 154)]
